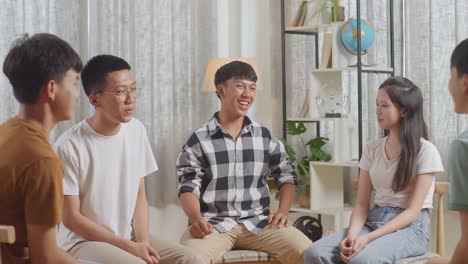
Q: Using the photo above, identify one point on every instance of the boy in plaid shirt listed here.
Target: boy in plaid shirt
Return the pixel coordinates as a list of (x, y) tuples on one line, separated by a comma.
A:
[(222, 186)]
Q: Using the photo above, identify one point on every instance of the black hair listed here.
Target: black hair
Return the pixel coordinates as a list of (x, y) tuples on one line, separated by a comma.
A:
[(407, 96), (93, 76), (33, 61), (234, 69), (459, 58)]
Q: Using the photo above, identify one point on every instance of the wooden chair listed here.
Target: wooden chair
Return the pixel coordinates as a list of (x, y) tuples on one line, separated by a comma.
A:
[(7, 235), (441, 189)]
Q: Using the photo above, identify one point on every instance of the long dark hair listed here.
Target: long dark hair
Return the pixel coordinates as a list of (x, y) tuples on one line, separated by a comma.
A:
[(406, 95)]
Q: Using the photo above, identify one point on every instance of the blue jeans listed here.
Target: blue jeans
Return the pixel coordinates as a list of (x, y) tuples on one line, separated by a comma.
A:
[(407, 242)]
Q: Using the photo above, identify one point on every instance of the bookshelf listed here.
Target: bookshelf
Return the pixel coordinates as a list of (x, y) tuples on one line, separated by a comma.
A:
[(327, 178)]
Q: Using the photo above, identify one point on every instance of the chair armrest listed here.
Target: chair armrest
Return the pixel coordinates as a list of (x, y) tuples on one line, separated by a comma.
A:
[(441, 188), (7, 234)]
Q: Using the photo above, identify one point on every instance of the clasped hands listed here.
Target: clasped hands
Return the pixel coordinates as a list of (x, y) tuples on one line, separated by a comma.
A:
[(350, 247)]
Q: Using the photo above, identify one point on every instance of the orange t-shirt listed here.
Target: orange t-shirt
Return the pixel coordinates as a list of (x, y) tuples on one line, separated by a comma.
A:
[(30, 184)]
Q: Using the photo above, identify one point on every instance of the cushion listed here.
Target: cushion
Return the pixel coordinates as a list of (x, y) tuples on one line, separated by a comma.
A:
[(245, 255)]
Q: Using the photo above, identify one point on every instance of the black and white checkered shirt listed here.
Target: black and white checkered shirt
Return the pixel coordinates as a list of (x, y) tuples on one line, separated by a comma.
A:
[(228, 176)]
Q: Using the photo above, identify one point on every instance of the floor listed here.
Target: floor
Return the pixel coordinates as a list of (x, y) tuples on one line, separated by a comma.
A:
[(169, 223)]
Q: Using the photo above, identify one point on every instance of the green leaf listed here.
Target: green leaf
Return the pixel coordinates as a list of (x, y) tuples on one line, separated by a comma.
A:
[(303, 168), (316, 151), (289, 151), (302, 189), (295, 128), (317, 142), (322, 155), (319, 155)]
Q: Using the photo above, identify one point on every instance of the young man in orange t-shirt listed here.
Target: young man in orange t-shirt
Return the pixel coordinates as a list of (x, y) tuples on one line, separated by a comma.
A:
[(43, 71)]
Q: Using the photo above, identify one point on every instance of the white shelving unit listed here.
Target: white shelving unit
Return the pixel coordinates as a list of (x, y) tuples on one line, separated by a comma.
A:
[(327, 191), (326, 184), (327, 178)]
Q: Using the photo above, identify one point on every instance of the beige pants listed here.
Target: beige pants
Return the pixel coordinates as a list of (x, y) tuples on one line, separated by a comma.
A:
[(105, 253), (286, 244)]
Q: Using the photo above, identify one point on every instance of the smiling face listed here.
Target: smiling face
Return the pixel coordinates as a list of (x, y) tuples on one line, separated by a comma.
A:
[(237, 96), (117, 100), (388, 114)]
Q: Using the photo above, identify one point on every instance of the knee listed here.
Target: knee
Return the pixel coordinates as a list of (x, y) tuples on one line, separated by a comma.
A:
[(196, 259), (192, 257), (311, 254), (361, 259), (291, 254), (366, 259)]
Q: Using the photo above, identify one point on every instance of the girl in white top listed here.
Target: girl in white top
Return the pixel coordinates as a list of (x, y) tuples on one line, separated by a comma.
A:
[(400, 169)]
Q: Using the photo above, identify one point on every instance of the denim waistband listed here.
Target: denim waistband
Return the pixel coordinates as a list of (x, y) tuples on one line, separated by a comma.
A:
[(398, 208)]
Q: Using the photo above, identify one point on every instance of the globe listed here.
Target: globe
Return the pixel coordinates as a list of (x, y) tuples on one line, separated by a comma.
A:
[(349, 35)]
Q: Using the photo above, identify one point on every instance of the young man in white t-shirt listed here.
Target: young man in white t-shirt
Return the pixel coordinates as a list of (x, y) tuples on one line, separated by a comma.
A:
[(106, 157)]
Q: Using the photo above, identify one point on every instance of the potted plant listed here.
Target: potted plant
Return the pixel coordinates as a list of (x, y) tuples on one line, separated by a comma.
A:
[(336, 13), (312, 152)]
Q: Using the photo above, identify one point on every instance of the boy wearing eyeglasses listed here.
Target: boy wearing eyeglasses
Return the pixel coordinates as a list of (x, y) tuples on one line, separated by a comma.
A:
[(106, 158)]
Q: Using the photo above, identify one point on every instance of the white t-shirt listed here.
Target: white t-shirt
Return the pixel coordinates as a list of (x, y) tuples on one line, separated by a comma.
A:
[(105, 172), (382, 170)]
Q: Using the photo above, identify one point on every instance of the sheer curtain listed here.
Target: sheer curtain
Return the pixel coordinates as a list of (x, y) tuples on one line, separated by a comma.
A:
[(168, 44), (60, 17), (249, 28), (433, 29)]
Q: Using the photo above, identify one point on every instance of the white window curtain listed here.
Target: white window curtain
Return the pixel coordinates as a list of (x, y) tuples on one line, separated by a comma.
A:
[(169, 42), (60, 17), (433, 29)]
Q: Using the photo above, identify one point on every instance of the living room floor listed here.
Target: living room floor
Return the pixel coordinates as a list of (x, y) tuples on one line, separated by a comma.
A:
[(170, 222)]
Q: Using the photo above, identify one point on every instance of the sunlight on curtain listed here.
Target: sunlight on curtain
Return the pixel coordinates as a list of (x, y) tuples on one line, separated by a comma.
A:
[(434, 28), (60, 17), (168, 44)]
